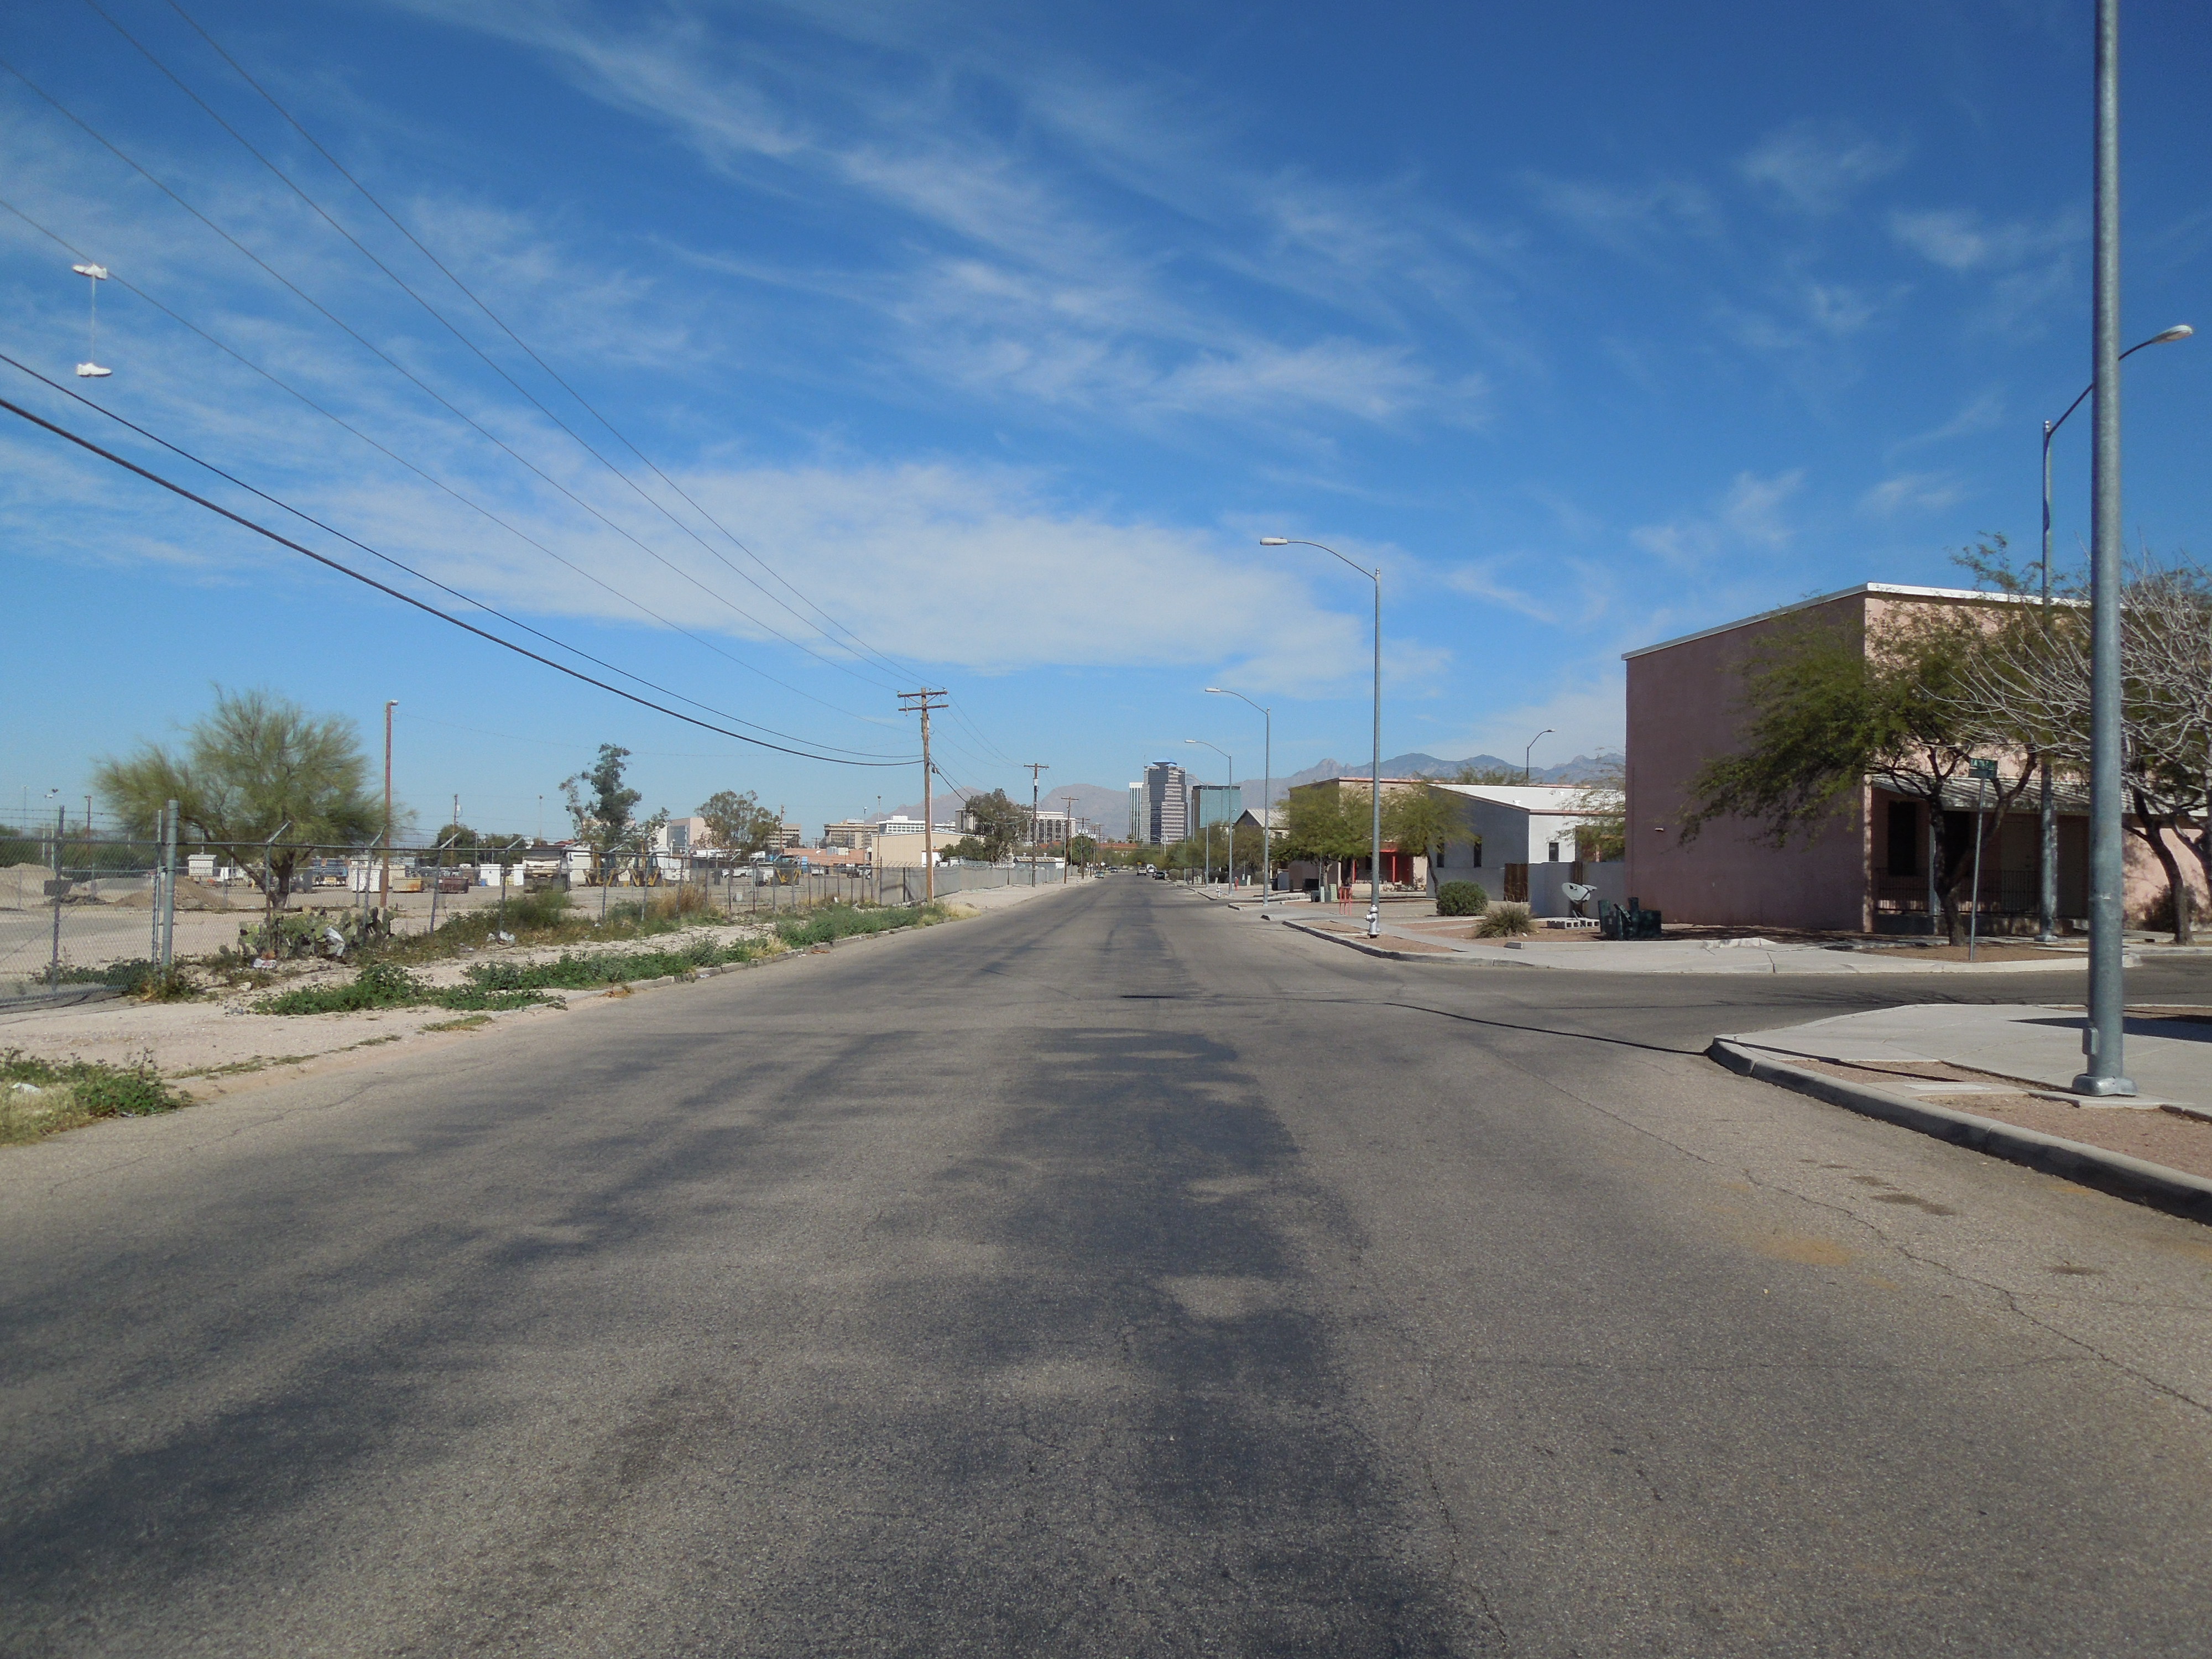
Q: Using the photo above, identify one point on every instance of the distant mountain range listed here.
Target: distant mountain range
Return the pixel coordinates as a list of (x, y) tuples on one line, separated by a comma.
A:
[(1582, 769), (1108, 807)]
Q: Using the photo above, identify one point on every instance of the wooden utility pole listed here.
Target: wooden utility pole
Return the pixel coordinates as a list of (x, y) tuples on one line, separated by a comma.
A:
[(1067, 840), (1035, 767), (920, 703)]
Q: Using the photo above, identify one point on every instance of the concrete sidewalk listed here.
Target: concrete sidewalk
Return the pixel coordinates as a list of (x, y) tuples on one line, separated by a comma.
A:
[(1441, 942), (2169, 1059)]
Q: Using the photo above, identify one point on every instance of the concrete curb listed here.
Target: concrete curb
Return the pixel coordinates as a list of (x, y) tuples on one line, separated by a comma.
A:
[(1367, 949), (74, 996), (2174, 1191)]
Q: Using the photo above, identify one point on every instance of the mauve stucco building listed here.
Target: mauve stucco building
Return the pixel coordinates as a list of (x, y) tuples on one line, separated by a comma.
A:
[(1864, 871)]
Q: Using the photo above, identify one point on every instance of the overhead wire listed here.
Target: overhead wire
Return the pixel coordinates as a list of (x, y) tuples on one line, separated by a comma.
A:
[(397, 224), (428, 391), (448, 324), (639, 606), (833, 623), (424, 606), (421, 576)]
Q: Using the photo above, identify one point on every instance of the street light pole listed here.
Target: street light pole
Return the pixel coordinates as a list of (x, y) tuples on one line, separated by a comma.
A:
[(1529, 753), (1375, 859), (2105, 1032), (1266, 789), (2047, 898), (1232, 860)]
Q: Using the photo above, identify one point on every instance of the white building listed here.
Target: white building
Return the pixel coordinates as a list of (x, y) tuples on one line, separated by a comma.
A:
[(1526, 844)]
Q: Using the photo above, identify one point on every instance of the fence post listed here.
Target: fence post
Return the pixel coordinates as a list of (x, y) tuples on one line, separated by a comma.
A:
[(169, 891), (54, 972), (153, 910)]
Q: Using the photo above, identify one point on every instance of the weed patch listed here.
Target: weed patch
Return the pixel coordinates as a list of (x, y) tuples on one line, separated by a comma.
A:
[(837, 921), (466, 1022), (387, 985), (588, 970), (257, 1063), (39, 1098)]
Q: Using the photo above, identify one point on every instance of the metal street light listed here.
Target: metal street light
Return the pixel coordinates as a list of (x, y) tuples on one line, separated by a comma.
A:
[(1375, 863), (1232, 759), (2105, 1032), (1530, 751), (2047, 897), (1266, 790)]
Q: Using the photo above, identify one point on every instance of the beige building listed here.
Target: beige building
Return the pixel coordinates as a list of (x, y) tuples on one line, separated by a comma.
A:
[(1866, 869)]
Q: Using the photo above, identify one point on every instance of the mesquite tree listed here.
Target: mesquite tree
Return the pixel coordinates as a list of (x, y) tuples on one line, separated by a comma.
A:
[(1826, 714), (2031, 686)]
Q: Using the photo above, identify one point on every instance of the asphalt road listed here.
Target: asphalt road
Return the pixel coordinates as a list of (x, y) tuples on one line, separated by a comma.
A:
[(1113, 1275)]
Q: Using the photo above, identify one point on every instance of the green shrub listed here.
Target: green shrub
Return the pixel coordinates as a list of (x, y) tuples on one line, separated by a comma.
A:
[(136, 978), (1461, 898), (1503, 922)]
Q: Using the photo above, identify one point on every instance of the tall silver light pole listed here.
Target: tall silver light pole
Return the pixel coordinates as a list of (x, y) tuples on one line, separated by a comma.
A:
[(1266, 789), (1230, 861), (1375, 860), (1530, 751), (2105, 1032), (2047, 898)]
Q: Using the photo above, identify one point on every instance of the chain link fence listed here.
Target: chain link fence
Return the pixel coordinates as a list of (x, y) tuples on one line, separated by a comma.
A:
[(84, 898)]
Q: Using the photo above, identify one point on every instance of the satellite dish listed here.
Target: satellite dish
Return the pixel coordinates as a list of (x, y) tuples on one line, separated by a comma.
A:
[(1577, 892), (90, 369)]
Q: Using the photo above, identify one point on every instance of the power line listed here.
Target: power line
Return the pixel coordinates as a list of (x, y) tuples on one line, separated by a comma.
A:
[(393, 220), (423, 386), (420, 604), (431, 478), (421, 576), (410, 290)]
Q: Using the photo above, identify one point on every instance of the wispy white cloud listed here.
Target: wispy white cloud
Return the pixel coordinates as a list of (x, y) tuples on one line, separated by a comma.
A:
[(1816, 167), (1747, 514), (1961, 240), (1480, 579), (1981, 413), (1018, 277), (1627, 219), (1913, 492)]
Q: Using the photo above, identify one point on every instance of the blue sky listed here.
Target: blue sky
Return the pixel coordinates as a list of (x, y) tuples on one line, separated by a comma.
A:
[(999, 334)]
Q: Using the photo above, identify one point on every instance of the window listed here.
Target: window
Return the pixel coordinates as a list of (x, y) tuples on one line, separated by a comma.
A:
[(1904, 838), (1476, 850), (1552, 852)]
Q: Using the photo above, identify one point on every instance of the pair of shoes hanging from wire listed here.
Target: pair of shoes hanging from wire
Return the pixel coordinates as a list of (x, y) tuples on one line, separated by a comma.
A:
[(90, 369)]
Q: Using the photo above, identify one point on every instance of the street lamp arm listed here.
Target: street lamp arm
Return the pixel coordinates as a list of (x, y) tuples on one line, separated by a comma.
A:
[(1375, 574), (2164, 337)]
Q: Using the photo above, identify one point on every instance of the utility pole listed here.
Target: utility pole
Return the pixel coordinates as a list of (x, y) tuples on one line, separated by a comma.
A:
[(1034, 767), (384, 887), (919, 702), (1066, 841)]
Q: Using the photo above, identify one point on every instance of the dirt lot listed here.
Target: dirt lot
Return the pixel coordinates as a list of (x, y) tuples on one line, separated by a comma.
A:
[(217, 1042)]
